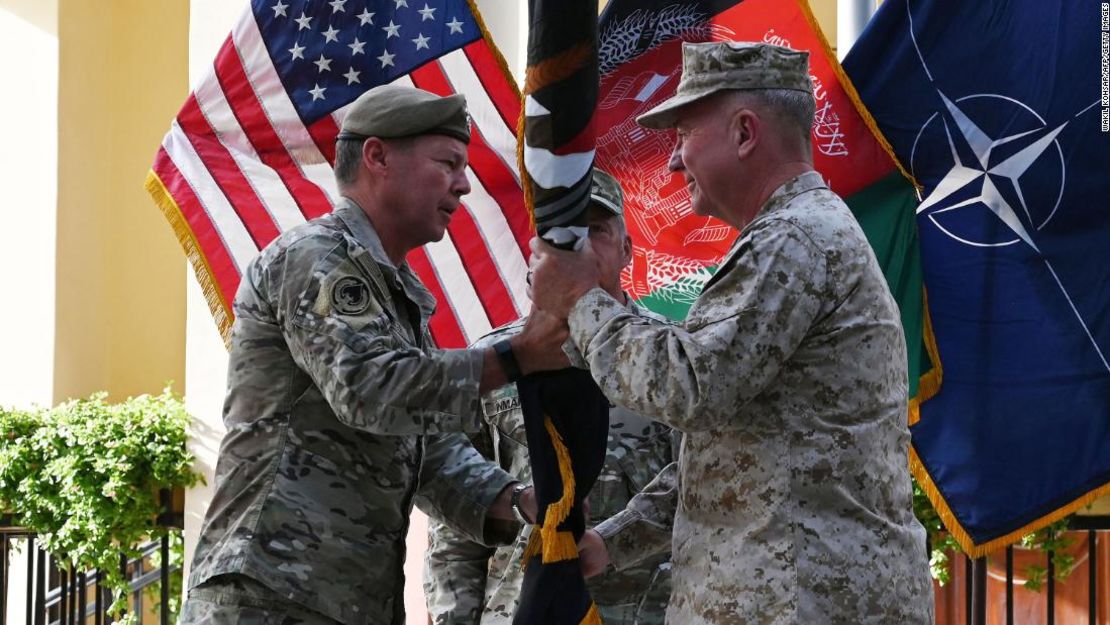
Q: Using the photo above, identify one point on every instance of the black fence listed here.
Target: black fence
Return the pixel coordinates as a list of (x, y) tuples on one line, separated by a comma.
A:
[(56, 596), (975, 596)]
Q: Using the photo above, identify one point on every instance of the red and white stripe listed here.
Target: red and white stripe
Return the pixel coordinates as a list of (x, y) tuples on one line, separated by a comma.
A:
[(242, 167)]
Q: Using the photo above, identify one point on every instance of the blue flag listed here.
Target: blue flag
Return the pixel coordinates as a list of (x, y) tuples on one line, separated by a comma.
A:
[(999, 109)]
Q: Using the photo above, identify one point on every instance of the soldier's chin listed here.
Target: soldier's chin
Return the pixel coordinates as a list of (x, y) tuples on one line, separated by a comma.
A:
[(699, 208)]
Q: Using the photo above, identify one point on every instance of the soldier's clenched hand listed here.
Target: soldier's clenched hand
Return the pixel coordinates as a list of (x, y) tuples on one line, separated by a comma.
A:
[(560, 278)]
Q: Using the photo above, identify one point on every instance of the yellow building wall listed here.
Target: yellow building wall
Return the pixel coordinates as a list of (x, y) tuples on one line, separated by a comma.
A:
[(120, 309), (825, 12)]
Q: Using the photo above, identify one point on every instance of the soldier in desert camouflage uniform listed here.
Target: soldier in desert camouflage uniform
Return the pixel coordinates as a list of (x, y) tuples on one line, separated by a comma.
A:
[(340, 411), (467, 583), (788, 377)]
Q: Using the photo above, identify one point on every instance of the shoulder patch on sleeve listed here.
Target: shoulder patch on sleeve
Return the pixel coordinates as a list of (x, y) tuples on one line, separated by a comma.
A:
[(345, 294), (350, 295)]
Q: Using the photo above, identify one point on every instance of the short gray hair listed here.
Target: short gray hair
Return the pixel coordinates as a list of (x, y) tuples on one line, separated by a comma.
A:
[(796, 108), (348, 154)]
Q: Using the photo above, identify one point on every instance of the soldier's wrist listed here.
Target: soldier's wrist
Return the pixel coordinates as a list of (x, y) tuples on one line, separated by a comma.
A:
[(518, 505), (506, 357)]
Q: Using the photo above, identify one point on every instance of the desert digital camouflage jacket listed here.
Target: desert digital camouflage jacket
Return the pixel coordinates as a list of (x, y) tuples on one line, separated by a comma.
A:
[(788, 379), (467, 583), (336, 410)]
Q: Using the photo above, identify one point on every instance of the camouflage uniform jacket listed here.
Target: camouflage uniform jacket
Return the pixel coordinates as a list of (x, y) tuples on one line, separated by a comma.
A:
[(789, 381), (467, 583), (335, 401)]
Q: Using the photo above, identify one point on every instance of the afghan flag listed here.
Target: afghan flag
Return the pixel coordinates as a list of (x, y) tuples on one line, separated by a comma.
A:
[(565, 415), (675, 251)]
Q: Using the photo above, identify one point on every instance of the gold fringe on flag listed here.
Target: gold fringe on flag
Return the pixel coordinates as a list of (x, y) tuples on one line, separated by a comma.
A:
[(504, 65), (501, 62), (928, 385), (217, 305), (969, 546)]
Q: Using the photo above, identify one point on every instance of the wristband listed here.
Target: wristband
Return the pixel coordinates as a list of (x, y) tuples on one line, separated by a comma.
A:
[(505, 356)]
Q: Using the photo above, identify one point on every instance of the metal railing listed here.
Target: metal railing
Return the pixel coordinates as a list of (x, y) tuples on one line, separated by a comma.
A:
[(56, 596), (977, 604)]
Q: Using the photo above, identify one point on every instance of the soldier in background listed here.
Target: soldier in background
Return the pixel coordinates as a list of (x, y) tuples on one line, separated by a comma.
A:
[(788, 377), (338, 402), (467, 583)]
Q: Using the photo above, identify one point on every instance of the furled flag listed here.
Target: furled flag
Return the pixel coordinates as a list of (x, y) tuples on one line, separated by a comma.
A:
[(675, 252), (565, 415), (251, 152), (1000, 110)]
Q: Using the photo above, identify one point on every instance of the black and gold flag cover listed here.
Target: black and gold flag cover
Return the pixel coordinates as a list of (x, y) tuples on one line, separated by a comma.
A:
[(566, 416)]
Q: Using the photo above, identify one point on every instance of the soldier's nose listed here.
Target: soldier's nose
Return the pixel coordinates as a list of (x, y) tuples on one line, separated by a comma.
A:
[(675, 162)]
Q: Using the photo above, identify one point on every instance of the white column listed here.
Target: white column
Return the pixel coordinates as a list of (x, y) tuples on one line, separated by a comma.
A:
[(29, 187), (851, 17), (210, 21), (507, 23), (28, 208)]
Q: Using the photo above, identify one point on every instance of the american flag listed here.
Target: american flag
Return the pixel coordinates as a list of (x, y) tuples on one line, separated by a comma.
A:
[(250, 154)]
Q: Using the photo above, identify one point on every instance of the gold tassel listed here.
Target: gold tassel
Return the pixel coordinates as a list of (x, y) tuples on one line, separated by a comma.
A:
[(592, 617), (535, 543), (558, 545), (561, 548)]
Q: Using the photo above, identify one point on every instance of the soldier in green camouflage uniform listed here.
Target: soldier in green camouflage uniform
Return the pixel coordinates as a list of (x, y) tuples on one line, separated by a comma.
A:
[(788, 376), (467, 583), (340, 411)]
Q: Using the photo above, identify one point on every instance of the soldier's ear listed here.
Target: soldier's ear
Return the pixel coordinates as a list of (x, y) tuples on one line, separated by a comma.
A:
[(374, 153), (745, 132), (626, 251)]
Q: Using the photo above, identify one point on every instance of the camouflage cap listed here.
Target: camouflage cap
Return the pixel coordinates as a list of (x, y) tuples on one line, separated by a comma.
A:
[(708, 68), (394, 111), (606, 192)]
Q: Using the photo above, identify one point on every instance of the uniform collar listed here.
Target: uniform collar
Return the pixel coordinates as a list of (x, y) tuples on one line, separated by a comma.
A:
[(399, 278), (779, 199), (789, 190), (352, 215)]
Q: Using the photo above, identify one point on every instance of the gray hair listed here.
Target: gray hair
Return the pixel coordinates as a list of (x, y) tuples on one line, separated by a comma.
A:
[(348, 153), (796, 108)]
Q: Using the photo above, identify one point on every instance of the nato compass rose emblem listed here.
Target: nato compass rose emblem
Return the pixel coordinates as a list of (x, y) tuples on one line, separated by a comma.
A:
[(1016, 172), (986, 172)]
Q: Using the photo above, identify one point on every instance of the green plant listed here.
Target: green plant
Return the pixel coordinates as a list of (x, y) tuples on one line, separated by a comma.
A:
[(1050, 539), (941, 542), (84, 476)]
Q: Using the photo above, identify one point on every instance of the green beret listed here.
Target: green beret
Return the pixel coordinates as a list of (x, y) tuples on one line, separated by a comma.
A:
[(708, 68), (606, 192), (394, 111)]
